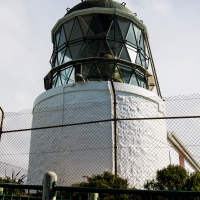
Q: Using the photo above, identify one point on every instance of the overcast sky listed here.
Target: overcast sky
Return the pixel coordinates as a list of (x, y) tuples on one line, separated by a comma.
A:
[(25, 45)]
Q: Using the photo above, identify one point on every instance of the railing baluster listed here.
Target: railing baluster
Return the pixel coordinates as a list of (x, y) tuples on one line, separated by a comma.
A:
[(28, 193), (12, 191)]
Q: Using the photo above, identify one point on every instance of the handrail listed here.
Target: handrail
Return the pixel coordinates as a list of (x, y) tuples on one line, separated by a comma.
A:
[(21, 186), (106, 190), (127, 191)]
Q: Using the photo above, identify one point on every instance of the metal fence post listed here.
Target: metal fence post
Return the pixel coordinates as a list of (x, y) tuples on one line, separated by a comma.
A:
[(1, 191), (94, 196), (48, 186)]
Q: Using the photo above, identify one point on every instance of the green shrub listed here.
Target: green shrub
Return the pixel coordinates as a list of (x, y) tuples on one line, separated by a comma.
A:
[(174, 177)]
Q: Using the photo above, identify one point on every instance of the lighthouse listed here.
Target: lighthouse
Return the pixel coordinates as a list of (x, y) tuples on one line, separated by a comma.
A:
[(101, 70)]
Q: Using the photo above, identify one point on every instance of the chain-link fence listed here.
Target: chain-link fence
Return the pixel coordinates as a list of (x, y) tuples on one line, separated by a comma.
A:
[(88, 138)]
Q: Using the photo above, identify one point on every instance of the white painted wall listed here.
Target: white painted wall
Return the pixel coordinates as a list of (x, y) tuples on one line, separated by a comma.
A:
[(88, 149), (143, 147), (189, 167)]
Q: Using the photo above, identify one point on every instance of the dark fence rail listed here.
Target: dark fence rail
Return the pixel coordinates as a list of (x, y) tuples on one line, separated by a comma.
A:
[(34, 192)]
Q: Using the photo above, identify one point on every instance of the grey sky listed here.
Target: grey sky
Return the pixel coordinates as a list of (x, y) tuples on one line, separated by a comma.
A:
[(26, 47)]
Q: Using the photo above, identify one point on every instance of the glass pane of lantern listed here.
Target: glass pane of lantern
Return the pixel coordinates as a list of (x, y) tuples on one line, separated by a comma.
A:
[(143, 60), (68, 28), (95, 28), (132, 53), (146, 50), (125, 72), (105, 22), (124, 25), (133, 80), (105, 51), (64, 78), (142, 42), (137, 34), (87, 19), (57, 37), (62, 37), (85, 51), (67, 56), (75, 49), (115, 31), (86, 69), (60, 56), (76, 32), (72, 78), (94, 73), (118, 33), (85, 23), (116, 47), (56, 61), (65, 74), (138, 60), (111, 33), (95, 47), (124, 54), (58, 83), (140, 78), (131, 36), (112, 46), (53, 59)]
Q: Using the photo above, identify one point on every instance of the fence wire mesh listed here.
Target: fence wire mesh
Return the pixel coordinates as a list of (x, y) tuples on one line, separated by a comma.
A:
[(77, 140)]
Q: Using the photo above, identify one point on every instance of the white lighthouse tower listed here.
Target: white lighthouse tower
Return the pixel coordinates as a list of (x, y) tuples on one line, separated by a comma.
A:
[(102, 69)]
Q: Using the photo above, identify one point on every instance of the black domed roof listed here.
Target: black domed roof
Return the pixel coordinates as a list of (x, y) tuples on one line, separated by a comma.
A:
[(99, 3)]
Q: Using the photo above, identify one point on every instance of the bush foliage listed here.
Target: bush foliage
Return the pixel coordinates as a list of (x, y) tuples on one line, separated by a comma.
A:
[(105, 180), (174, 177)]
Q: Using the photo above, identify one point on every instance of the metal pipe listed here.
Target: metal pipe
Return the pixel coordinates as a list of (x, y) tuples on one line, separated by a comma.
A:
[(2, 119), (99, 121), (186, 153), (153, 67), (115, 127)]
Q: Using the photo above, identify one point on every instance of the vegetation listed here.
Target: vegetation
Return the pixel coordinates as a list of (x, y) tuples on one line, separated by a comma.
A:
[(14, 179), (174, 177), (105, 180)]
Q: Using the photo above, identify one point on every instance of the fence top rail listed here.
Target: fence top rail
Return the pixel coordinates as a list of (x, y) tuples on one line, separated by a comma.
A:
[(127, 191), (99, 121), (21, 186), (105, 190)]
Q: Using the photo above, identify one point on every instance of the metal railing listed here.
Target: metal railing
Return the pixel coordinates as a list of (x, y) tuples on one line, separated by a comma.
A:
[(21, 192), (34, 192), (73, 193)]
